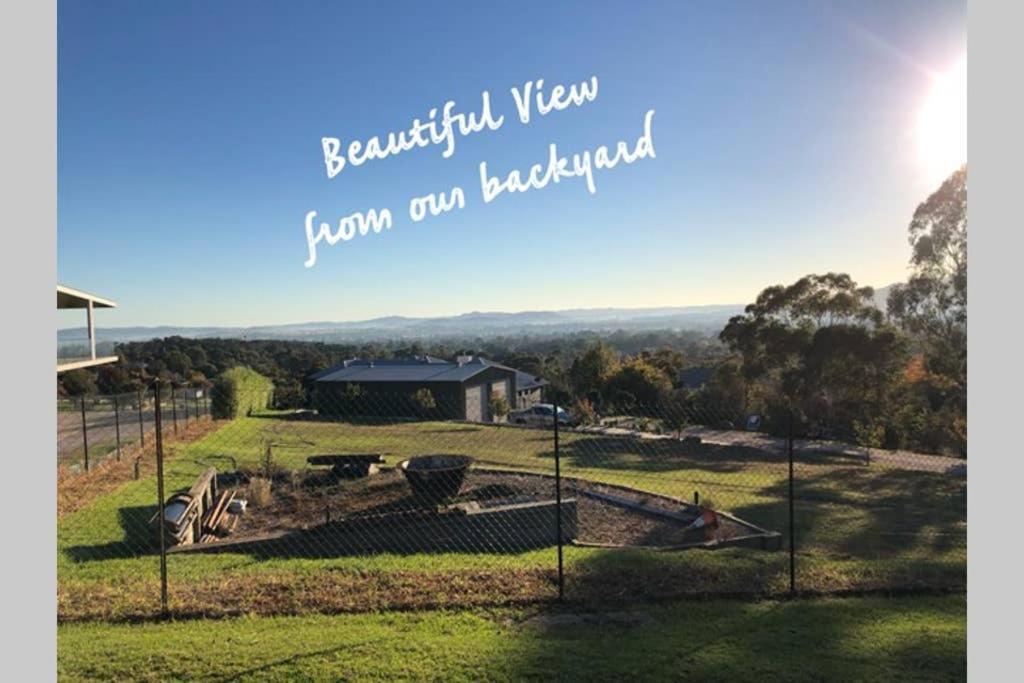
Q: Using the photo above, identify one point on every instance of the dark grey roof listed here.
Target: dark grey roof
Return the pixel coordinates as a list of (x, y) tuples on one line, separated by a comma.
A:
[(526, 381), (419, 369), (523, 380)]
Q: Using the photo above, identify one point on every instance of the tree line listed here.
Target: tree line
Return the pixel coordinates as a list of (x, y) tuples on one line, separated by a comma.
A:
[(816, 356), (196, 362), (820, 350)]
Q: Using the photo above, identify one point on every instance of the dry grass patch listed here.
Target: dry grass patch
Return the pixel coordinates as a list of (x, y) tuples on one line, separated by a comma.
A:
[(286, 593), (77, 490)]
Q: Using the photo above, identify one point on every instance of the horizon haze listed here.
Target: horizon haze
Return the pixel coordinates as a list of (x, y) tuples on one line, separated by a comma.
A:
[(707, 319)]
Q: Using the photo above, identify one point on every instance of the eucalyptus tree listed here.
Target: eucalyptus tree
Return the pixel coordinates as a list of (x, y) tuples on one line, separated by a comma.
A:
[(819, 347), (932, 305)]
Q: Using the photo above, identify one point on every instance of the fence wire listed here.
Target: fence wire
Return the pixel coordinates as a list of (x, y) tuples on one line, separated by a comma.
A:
[(91, 429), (389, 500)]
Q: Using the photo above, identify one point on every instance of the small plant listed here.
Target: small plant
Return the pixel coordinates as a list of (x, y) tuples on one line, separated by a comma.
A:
[(869, 434), (259, 491), (708, 503), (424, 400), (677, 412), (583, 410), (499, 407), (268, 461)]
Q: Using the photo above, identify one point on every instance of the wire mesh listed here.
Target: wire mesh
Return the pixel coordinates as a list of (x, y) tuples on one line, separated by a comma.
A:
[(372, 499), (93, 429)]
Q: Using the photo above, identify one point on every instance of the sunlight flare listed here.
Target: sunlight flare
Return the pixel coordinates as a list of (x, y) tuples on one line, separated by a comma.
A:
[(942, 124)]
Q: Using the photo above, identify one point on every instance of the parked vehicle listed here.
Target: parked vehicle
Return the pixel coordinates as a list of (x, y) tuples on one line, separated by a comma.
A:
[(541, 414)]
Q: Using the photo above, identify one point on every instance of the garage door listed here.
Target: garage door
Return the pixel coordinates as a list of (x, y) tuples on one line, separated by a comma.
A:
[(475, 405)]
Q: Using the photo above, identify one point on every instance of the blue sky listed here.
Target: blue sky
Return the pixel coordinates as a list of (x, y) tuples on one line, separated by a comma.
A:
[(189, 152)]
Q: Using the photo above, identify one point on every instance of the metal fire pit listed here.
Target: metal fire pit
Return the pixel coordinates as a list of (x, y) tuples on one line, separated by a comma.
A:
[(435, 477)]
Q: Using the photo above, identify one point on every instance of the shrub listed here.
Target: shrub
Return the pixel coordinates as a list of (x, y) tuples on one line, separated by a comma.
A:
[(557, 395), (288, 393), (240, 391), (78, 382), (424, 401), (499, 407), (676, 411), (869, 433), (623, 402), (637, 378), (259, 491), (584, 412)]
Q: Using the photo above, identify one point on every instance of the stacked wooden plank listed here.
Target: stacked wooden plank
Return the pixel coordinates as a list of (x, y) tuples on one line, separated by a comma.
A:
[(218, 521), (199, 515)]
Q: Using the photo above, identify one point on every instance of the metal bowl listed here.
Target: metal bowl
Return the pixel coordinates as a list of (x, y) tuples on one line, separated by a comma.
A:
[(434, 478)]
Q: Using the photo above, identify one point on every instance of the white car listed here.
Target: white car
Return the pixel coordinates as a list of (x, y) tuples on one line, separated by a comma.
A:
[(540, 414)]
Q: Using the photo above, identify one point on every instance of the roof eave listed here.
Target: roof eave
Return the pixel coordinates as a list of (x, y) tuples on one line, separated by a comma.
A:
[(68, 298)]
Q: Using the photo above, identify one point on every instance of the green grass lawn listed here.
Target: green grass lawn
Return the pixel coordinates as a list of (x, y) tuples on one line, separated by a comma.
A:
[(918, 638), (857, 527)]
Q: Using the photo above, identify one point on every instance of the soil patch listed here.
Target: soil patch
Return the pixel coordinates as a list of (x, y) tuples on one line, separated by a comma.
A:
[(606, 515)]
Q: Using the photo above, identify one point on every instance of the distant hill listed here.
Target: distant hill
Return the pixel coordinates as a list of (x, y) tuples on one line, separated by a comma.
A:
[(474, 324), (710, 319)]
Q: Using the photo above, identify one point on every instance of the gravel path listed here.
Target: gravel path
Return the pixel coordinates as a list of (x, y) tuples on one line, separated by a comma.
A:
[(907, 460)]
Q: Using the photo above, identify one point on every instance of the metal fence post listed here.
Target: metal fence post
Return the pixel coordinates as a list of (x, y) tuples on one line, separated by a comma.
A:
[(142, 432), (792, 533), (558, 509), (85, 433), (174, 411), (157, 408), (195, 397), (117, 428), (160, 495)]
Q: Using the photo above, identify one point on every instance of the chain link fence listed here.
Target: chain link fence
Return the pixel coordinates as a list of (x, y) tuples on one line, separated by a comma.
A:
[(91, 429), (388, 500)]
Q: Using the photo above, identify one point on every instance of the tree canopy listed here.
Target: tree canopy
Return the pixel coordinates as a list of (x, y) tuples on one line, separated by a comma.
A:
[(931, 307), (820, 346)]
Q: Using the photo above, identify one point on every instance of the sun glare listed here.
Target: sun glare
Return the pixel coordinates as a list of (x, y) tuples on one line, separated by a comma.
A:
[(942, 124)]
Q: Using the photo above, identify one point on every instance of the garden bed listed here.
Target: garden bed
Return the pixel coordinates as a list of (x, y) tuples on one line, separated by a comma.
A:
[(495, 511)]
